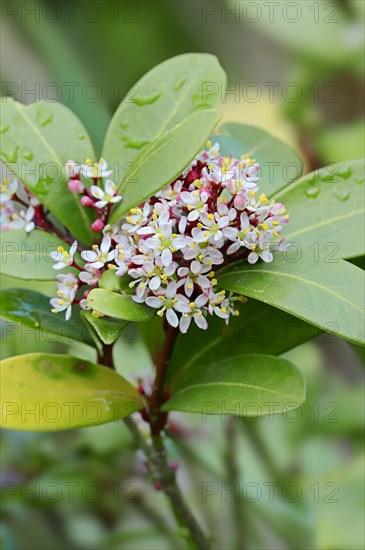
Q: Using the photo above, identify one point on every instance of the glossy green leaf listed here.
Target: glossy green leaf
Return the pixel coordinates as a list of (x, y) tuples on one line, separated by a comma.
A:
[(245, 385), (330, 296), (165, 161), (38, 139), (33, 310), (26, 256), (118, 306), (107, 330), (326, 210), (110, 281), (280, 165), (48, 392), (258, 327), (163, 98)]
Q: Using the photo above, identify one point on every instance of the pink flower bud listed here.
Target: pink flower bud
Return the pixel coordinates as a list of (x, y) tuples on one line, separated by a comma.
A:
[(157, 485), (76, 186), (97, 225), (86, 201), (86, 293), (239, 202), (174, 465)]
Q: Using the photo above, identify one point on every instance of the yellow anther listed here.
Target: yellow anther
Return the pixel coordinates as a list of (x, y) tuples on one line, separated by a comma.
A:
[(94, 247), (54, 310), (101, 160), (133, 211), (192, 304), (60, 302), (160, 313), (275, 223), (160, 248), (251, 194), (88, 162), (211, 274), (209, 144), (190, 285), (224, 309), (173, 236), (161, 298), (275, 233), (200, 225), (129, 219), (60, 248), (111, 266), (265, 226)]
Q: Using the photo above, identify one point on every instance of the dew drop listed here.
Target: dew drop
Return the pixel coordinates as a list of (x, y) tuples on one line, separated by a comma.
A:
[(9, 149), (359, 180), (130, 143), (43, 117), (341, 193), (124, 125), (81, 136), (26, 153), (179, 81), (346, 173), (312, 192), (4, 128), (141, 101)]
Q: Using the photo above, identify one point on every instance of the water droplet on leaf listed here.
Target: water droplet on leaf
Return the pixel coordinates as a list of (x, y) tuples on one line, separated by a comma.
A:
[(346, 173), (43, 117), (341, 193), (312, 192), (179, 81), (4, 128), (26, 153), (81, 136), (131, 143), (146, 100), (9, 149)]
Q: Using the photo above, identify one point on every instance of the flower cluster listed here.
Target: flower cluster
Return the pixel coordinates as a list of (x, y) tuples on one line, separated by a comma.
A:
[(15, 213), (170, 245)]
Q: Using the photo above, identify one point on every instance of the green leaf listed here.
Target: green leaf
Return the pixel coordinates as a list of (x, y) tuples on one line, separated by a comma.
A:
[(32, 309), (326, 209), (108, 330), (163, 98), (118, 306), (329, 296), (246, 385), (38, 139), (110, 281), (280, 165), (48, 392), (170, 155), (258, 327), (26, 256)]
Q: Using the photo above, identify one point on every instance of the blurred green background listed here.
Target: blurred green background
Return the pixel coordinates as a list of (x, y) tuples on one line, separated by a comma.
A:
[(295, 69)]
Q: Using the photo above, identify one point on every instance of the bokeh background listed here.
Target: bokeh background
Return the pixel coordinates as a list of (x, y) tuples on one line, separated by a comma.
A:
[(295, 69)]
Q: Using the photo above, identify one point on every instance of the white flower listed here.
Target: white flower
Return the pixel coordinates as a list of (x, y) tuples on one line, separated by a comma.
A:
[(136, 219), (22, 219), (166, 242), (194, 276), (62, 257), (90, 276), (8, 188), (67, 289), (170, 302), (152, 274), (106, 196), (95, 170), (195, 202), (195, 313), (123, 257), (98, 257)]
